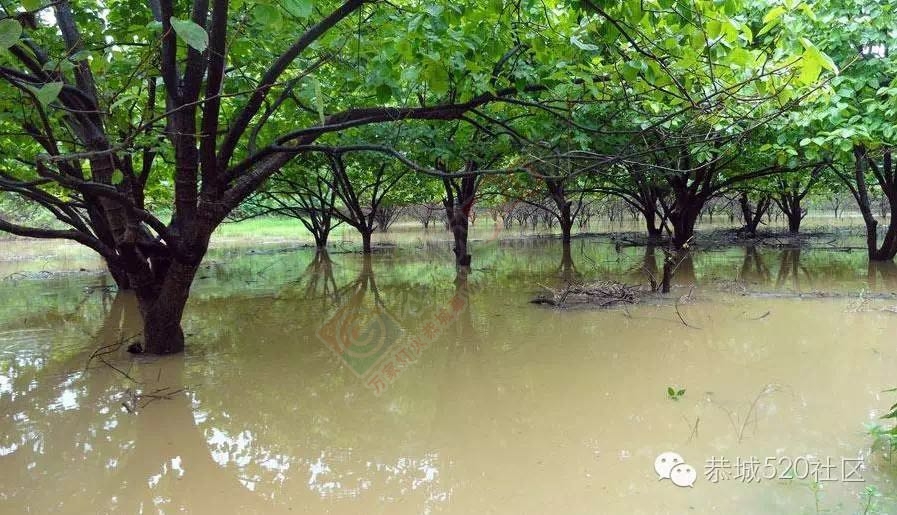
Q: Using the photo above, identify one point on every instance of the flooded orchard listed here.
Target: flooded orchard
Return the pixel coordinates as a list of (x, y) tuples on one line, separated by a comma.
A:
[(761, 370)]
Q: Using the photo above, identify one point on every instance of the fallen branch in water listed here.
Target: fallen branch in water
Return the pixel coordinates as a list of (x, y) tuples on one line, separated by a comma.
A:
[(101, 353), (600, 293), (137, 400), (107, 349)]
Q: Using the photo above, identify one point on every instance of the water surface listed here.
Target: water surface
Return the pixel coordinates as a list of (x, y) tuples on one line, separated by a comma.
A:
[(510, 408)]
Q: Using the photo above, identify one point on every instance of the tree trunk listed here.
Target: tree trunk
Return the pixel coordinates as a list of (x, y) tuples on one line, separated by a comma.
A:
[(458, 224), (655, 232), (862, 197), (162, 307), (458, 202), (566, 228), (365, 241), (794, 220), (321, 239), (753, 215), (119, 275), (683, 222)]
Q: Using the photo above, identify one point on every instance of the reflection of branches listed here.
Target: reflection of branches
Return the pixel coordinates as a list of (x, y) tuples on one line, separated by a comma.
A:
[(679, 314), (319, 280), (739, 424)]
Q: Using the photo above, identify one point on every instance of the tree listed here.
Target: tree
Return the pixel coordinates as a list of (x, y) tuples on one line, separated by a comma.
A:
[(752, 212), (789, 191), (307, 195), (362, 191), (115, 98), (852, 122)]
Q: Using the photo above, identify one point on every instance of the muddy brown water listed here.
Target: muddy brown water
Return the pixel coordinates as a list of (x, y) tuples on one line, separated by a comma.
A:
[(505, 406)]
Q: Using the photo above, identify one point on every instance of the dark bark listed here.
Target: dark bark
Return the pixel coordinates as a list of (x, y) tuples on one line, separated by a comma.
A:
[(753, 215), (677, 263), (789, 194), (119, 275), (655, 231), (460, 195), (365, 241), (458, 225), (162, 306), (886, 176), (565, 215), (683, 218)]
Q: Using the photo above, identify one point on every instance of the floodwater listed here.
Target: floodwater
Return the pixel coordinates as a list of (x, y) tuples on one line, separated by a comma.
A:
[(504, 406)]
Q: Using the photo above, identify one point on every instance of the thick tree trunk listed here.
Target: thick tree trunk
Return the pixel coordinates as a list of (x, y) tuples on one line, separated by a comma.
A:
[(119, 275), (162, 307), (321, 240), (365, 241), (794, 220), (458, 204), (683, 222), (655, 232), (566, 230), (458, 224)]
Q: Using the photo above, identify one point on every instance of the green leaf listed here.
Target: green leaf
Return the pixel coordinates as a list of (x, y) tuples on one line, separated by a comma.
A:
[(299, 8), (437, 77), (808, 11), (32, 5), (267, 15), (680, 393), (774, 14), (670, 391), (191, 33), (10, 32), (117, 177), (384, 93), (46, 93), (811, 68)]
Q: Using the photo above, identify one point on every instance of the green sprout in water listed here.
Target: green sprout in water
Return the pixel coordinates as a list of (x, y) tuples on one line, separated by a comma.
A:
[(884, 438)]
